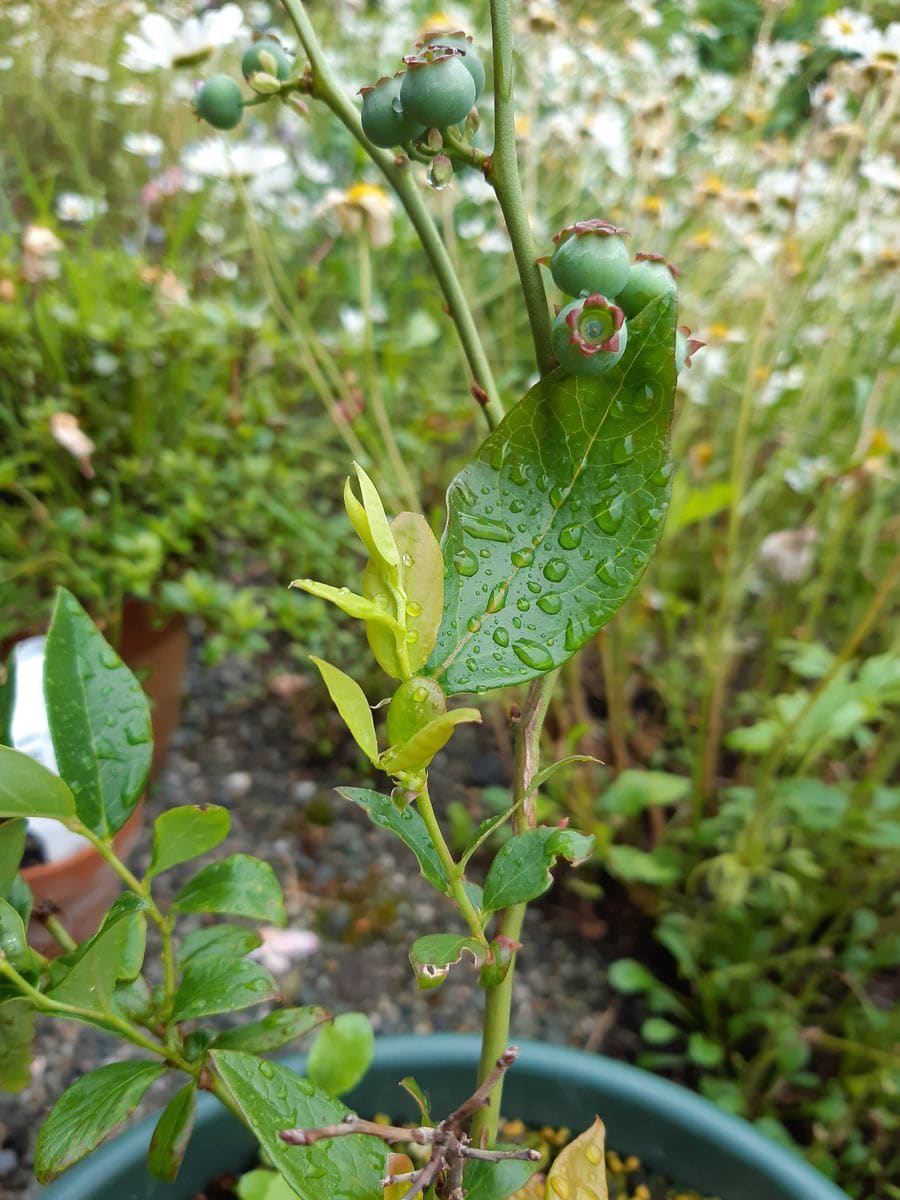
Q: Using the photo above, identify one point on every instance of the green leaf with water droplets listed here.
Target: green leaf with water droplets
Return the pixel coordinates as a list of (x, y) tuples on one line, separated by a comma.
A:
[(350, 701), (550, 526), (521, 870), (240, 885), (14, 940), (417, 752), (219, 985), (28, 789), (99, 719), (88, 1112), (408, 825), (421, 575), (186, 832), (271, 1098), (274, 1030), (580, 1169)]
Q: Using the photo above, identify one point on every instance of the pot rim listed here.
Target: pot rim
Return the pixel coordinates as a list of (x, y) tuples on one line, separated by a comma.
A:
[(687, 1117)]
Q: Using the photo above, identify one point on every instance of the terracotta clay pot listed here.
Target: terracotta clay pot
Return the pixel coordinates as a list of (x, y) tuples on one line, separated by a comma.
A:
[(82, 887)]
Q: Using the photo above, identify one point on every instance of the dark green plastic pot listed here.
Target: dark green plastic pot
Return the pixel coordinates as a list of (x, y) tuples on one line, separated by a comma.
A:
[(670, 1128)]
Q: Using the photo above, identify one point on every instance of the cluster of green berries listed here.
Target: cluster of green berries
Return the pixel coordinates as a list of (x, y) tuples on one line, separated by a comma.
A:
[(264, 64), (437, 89), (592, 263)]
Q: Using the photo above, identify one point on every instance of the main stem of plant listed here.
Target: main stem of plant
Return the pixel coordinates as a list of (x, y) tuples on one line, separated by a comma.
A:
[(498, 999)]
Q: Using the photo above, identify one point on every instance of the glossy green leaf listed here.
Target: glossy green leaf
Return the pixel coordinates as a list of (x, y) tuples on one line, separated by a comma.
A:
[(90, 982), (521, 869), (550, 526), (263, 1184), (379, 528), (421, 576), (183, 833), (13, 939), (134, 1000), (29, 790), (88, 1112), (417, 752), (219, 985), (408, 825), (99, 719), (240, 885), (341, 1053), (433, 955), (12, 847), (17, 1019), (495, 1181), (350, 701), (172, 1134), (133, 910), (278, 1028), (21, 899), (349, 602), (272, 1098), (633, 791), (580, 1167), (225, 941)]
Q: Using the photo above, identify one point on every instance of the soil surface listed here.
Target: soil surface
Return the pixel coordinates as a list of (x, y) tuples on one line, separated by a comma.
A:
[(256, 739)]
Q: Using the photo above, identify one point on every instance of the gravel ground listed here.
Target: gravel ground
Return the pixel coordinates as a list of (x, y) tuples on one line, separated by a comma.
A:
[(245, 744)]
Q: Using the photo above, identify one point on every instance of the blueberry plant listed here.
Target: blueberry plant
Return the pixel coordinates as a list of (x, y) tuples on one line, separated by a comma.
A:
[(549, 528)]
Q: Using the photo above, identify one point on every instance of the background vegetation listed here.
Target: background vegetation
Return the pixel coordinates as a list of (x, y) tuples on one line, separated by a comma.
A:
[(230, 320)]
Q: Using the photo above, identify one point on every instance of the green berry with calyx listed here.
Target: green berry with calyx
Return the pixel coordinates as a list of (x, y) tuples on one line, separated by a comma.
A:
[(590, 256), (650, 277), (384, 121), (219, 102), (416, 702), (459, 40), (589, 336), (437, 90), (685, 348), (269, 56)]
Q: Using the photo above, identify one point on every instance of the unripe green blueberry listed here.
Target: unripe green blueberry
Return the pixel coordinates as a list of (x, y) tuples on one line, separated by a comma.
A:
[(459, 40), (219, 103), (590, 256), (589, 336), (437, 90), (649, 278), (416, 702), (250, 62), (383, 120)]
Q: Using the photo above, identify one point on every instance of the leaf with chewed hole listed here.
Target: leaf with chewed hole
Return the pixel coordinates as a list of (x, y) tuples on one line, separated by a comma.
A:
[(433, 955)]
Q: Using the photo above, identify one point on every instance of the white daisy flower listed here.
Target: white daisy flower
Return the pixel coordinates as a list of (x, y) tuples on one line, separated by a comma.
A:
[(849, 30), (76, 209), (143, 145), (160, 44)]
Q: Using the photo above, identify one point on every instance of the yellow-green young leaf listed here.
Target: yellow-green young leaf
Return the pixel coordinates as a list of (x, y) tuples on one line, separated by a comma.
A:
[(378, 523), (348, 602), (422, 583), (350, 701), (358, 518), (397, 1164), (421, 748), (580, 1170)]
